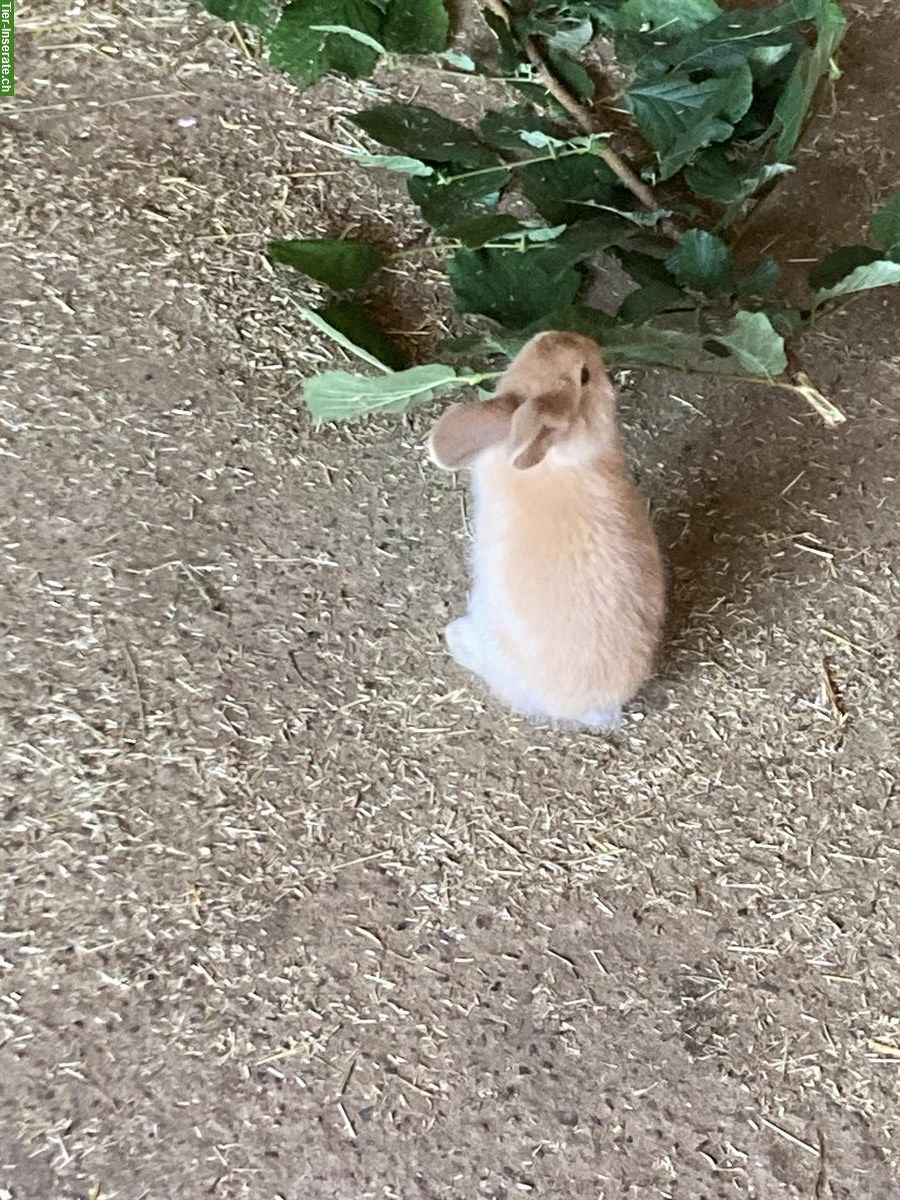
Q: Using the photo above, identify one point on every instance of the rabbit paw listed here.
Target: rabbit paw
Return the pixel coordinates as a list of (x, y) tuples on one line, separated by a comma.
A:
[(462, 643), (603, 718)]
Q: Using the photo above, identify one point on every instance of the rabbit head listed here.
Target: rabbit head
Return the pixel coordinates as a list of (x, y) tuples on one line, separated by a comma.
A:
[(555, 405)]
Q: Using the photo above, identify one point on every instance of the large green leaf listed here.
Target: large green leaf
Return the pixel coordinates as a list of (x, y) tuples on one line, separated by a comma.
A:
[(416, 26), (707, 130), (812, 66), (872, 275), (665, 108), (339, 263), (752, 340), (340, 395), (665, 19), (444, 201), (838, 263), (646, 302), (589, 238), (510, 287), (422, 133), (741, 36), (703, 262), (646, 346), (360, 328), (559, 187), (885, 225), (716, 175), (306, 53), (247, 12), (680, 116), (505, 127)]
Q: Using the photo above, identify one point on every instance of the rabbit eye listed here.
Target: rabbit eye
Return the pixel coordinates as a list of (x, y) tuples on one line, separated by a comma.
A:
[(585, 376)]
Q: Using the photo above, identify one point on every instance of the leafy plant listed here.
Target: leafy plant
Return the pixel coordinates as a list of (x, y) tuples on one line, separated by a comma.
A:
[(716, 101)]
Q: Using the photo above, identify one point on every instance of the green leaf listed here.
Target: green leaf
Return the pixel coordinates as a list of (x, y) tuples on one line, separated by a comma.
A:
[(245, 12), (355, 35), (476, 231), (340, 395), (703, 262), (862, 279), (753, 341), (812, 66), (356, 324), (532, 232), (838, 263), (558, 187), (571, 73), (460, 61), (509, 51), (572, 36), (647, 346), (576, 318), (536, 94), (740, 37), (644, 269), (305, 54), (885, 225), (717, 176), (761, 281), (679, 116), (646, 302), (445, 201), (588, 238), (684, 149), (318, 322), (505, 127), (484, 345), (786, 319), (400, 163), (416, 26), (511, 288), (422, 133), (337, 262), (667, 19)]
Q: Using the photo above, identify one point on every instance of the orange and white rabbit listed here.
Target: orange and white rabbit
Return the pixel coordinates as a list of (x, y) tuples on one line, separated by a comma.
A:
[(567, 603)]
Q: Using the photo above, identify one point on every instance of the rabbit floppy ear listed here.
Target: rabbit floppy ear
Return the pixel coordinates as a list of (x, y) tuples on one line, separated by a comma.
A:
[(536, 426), (465, 430)]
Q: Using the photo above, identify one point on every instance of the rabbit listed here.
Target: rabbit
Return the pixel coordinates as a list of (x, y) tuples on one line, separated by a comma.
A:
[(568, 597)]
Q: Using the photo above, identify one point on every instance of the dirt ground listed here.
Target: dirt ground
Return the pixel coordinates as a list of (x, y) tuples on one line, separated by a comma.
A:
[(290, 909)]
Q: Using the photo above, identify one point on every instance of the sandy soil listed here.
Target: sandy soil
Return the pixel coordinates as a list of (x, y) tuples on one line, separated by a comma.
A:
[(290, 910)]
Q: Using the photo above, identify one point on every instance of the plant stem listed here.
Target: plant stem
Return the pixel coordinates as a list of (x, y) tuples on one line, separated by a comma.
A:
[(797, 382), (590, 148), (588, 122)]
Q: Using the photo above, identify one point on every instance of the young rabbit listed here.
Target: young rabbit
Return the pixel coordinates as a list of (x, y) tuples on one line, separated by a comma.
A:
[(567, 602)]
